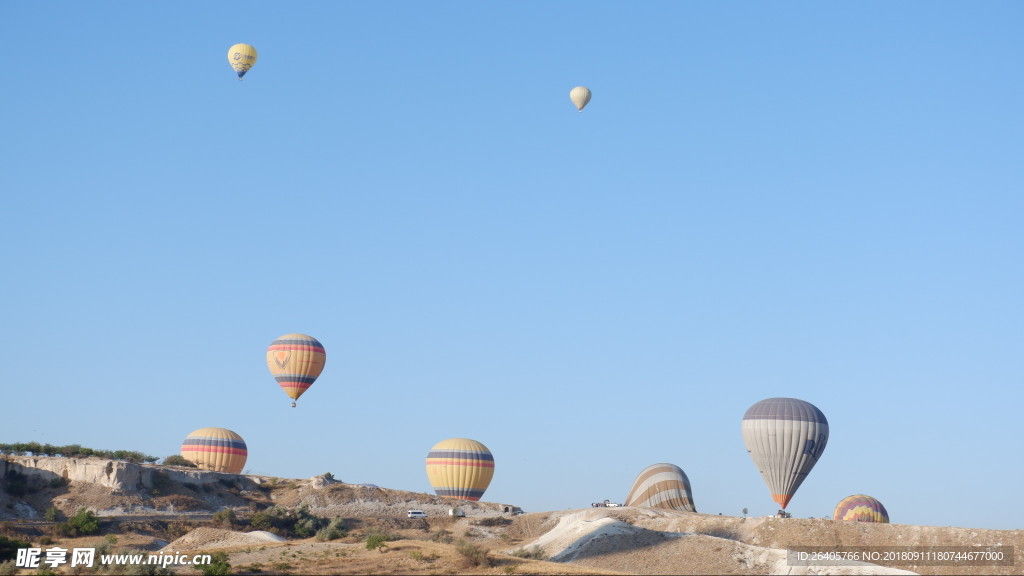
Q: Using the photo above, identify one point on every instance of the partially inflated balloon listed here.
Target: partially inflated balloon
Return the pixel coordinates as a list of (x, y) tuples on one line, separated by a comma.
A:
[(296, 360), (662, 486), (861, 508), (580, 96), (785, 437), (241, 57), (460, 468), (217, 449)]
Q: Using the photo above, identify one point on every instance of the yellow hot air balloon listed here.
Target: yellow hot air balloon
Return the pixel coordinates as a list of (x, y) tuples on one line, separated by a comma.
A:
[(580, 96), (296, 360), (241, 57), (460, 468), (217, 449)]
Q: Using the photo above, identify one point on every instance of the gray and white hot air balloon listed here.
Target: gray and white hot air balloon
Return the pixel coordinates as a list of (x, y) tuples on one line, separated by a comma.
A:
[(662, 486), (580, 95), (785, 437)]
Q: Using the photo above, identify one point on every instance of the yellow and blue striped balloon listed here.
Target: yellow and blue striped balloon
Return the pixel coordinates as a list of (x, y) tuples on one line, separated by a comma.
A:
[(296, 360), (217, 449), (460, 468)]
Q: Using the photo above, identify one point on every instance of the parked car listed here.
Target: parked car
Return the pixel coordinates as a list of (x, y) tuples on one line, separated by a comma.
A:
[(416, 514)]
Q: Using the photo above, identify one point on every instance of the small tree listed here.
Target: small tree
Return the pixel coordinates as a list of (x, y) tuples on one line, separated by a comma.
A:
[(178, 460), (51, 514), (744, 511), (378, 542)]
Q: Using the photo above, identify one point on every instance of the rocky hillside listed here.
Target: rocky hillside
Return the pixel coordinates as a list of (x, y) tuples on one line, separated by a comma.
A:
[(30, 485), (165, 508)]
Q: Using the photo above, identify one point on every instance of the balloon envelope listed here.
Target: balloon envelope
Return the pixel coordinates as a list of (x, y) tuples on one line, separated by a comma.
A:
[(580, 96), (241, 57), (662, 486), (217, 449), (785, 437), (296, 360), (460, 468), (861, 508)]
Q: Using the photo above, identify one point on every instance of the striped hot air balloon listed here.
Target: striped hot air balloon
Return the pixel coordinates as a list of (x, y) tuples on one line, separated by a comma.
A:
[(460, 468), (785, 437), (217, 449), (296, 360), (861, 508), (662, 486)]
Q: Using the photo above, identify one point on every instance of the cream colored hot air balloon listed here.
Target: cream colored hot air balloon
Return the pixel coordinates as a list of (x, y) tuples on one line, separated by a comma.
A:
[(662, 486), (785, 437), (217, 449), (460, 468), (296, 360), (580, 96), (241, 57)]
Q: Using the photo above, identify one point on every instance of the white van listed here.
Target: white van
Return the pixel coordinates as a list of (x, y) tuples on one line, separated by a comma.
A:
[(416, 514)]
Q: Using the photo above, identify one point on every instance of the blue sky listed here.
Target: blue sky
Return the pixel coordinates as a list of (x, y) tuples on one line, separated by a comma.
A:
[(810, 200)]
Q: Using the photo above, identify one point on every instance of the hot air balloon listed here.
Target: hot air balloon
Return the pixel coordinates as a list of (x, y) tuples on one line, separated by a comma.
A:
[(460, 468), (241, 57), (662, 486), (861, 508), (296, 360), (217, 449), (580, 95), (785, 437)]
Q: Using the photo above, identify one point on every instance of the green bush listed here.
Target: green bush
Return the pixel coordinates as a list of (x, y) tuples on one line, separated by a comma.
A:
[(178, 460), (377, 542), (8, 568), (83, 523), (51, 514), (9, 548), (336, 529), (280, 520), (224, 517), (261, 521), (306, 527)]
